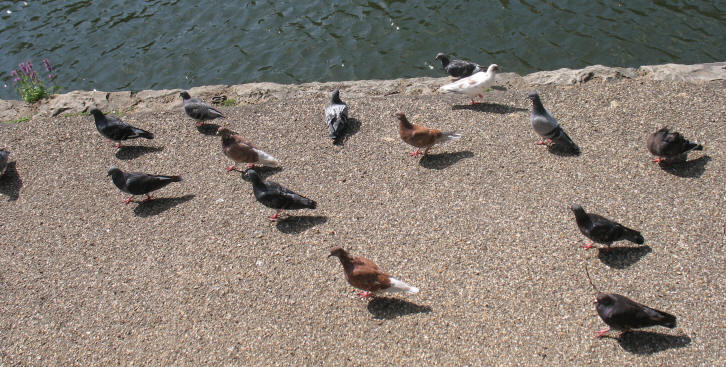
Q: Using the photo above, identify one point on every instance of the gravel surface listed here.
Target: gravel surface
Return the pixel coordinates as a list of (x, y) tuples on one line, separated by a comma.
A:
[(482, 226)]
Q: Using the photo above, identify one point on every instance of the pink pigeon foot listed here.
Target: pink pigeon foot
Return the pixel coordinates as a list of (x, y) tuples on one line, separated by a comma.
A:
[(249, 165), (588, 246), (473, 102), (544, 142), (199, 124), (117, 146), (600, 333), (231, 168), (128, 200), (415, 153), (426, 151), (365, 294), (274, 217)]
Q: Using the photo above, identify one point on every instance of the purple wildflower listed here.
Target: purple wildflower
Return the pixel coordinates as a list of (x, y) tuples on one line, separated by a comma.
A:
[(47, 65), (34, 75), (14, 73), (22, 68), (51, 76), (16, 80)]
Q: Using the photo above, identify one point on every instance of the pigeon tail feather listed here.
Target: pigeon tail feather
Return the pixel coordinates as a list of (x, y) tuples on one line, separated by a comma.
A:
[(266, 159), (143, 133), (633, 236), (562, 138), (398, 286), (447, 137)]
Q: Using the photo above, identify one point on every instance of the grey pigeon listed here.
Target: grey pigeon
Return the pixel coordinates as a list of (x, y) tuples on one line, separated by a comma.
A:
[(272, 195), (547, 127), (603, 230), (116, 130), (336, 116), (4, 154), (458, 68), (622, 313), (198, 110), (668, 145), (136, 183)]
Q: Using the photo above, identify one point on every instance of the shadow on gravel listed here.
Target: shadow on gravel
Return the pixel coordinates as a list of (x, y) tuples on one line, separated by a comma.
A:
[(296, 224), (561, 151), (208, 129), (647, 342), (443, 160), (689, 169), (350, 130), (623, 257), (489, 107), (10, 182), (158, 206), (128, 152), (384, 308)]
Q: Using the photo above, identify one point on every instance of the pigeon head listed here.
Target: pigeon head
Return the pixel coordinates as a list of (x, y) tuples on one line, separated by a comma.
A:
[(335, 98), (112, 171), (400, 115), (253, 177), (185, 95), (493, 68), (338, 252), (605, 299), (579, 211), (96, 112), (440, 56), (533, 95)]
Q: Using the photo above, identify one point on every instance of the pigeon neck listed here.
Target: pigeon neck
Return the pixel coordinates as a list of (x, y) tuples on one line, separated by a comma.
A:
[(336, 99), (346, 262), (444, 61), (227, 139), (537, 106), (257, 181), (403, 122), (581, 217), (118, 179)]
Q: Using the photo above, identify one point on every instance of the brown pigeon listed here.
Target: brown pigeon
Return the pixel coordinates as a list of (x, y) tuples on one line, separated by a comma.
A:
[(364, 274), (421, 136), (240, 150), (668, 145)]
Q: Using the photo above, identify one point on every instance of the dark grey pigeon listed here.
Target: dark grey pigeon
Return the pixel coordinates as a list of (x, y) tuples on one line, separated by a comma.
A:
[(272, 195), (458, 68), (136, 183), (4, 154), (336, 116), (603, 230), (670, 145), (547, 127), (116, 130), (198, 110), (622, 313)]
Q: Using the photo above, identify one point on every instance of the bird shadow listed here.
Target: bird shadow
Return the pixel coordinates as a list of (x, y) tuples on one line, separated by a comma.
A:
[(623, 257), (648, 342), (489, 107), (561, 151), (208, 129), (295, 224), (690, 169), (128, 152), (10, 182), (443, 160), (157, 206), (351, 129), (385, 308)]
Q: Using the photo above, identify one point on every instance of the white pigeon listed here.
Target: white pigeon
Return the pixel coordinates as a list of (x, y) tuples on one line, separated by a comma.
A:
[(473, 86)]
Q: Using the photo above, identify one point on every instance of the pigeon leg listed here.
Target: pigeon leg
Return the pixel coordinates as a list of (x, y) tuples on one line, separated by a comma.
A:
[(415, 153), (276, 216), (480, 96), (199, 124), (365, 294), (473, 102), (544, 142), (148, 197), (117, 145), (588, 246), (249, 165), (600, 333), (231, 168), (128, 200), (426, 151)]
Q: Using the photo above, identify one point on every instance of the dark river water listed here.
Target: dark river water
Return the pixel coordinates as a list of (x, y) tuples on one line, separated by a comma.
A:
[(131, 45)]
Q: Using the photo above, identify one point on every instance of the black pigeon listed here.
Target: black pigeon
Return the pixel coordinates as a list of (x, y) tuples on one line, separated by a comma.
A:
[(4, 154), (136, 183), (458, 68), (622, 313), (666, 145), (603, 230), (336, 116), (117, 130), (547, 127), (198, 110), (272, 195)]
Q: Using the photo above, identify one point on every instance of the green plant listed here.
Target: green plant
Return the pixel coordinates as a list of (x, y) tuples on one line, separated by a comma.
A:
[(18, 120), (29, 85), (229, 102)]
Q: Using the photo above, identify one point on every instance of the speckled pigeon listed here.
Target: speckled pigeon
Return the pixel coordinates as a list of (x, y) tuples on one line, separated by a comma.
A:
[(473, 86), (336, 116), (241, 151)]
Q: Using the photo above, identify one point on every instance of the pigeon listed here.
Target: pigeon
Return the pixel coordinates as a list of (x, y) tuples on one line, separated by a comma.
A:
[(272, 195), (136, 183), (547, 127), (458, 68), (473, 86), (366, 275), (116, 130), (4, 154), (240, 150), (622, 313), (336, 116), (198, 110), (420, 136), (670, 145), (602, 230)]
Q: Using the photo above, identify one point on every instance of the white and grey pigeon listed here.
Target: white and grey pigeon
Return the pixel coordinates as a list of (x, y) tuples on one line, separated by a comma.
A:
[(547, 127), (116, 130), (198, 110), (336, 116), (4, 154), (458, 68), (136, 183), (473, 86)]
